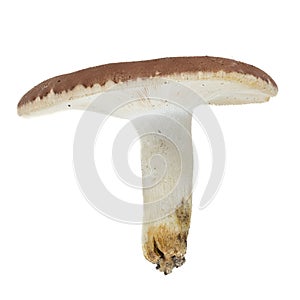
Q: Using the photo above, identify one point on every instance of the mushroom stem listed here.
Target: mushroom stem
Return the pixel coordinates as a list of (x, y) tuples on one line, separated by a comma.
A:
[(167, 175)]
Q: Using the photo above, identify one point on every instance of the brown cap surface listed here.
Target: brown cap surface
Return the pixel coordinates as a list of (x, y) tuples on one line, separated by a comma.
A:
[(122, 72)]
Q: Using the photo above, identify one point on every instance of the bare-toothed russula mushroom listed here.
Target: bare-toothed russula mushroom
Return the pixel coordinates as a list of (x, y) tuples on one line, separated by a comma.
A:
[(216, 80)]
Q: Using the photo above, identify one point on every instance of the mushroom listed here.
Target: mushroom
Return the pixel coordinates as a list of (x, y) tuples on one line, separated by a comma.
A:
[(215, 80)]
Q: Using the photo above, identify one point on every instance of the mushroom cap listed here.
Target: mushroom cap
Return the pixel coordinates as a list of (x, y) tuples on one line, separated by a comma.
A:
[(216, 80)]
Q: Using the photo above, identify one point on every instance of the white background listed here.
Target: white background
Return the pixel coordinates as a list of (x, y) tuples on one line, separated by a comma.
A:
[(54, 245)]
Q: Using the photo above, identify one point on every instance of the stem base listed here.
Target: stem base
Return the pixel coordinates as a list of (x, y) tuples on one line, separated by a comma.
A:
[(166, 240)]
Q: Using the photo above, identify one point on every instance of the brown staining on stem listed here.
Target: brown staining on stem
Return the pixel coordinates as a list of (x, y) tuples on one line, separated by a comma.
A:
[(167, 241), (183, 213)]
